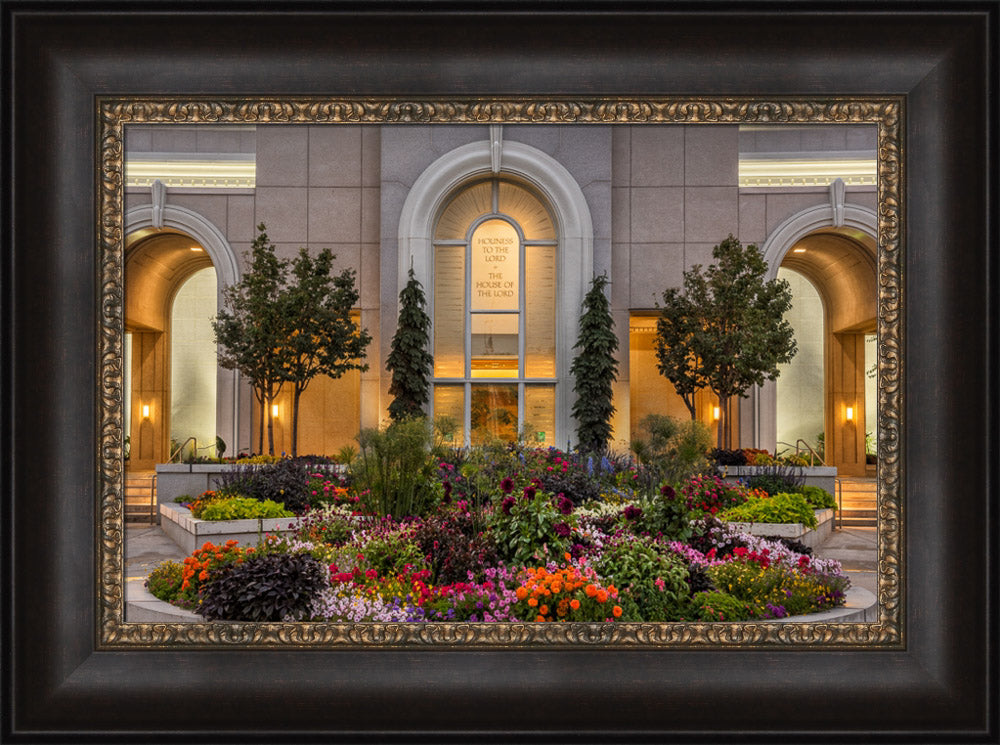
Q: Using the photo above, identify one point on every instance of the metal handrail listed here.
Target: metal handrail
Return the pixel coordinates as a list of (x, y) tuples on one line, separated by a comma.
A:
[(180, 448), (840, 503), (812, 453)]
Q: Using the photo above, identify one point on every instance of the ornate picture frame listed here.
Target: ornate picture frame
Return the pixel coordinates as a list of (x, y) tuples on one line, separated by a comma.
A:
[(884, 113), (75, 670)]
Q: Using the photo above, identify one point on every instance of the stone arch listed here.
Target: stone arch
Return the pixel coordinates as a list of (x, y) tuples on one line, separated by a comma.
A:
[(156, 217), (801, 224), (555, 184), (190, 223), (854, 224)]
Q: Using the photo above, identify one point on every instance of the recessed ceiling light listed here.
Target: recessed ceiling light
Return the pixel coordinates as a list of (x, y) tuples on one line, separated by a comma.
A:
[(197, 248), (798, 250)]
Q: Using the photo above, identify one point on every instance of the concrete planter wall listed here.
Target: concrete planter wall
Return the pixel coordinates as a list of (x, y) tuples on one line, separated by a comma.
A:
[(796, 531), (175, 479), (822, 476), (190, 533)]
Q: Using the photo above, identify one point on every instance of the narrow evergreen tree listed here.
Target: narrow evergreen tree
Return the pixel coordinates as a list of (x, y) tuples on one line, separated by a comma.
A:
[(595, 369), (409, 361)]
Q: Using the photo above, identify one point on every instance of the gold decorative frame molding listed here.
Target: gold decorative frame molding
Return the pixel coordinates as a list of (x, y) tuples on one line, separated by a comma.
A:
[(113, 113)]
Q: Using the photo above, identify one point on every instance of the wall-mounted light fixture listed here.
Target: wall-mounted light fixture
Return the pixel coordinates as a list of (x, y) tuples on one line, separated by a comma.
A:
[(716, 413), (850, 414), (274, 410), (145, 411)]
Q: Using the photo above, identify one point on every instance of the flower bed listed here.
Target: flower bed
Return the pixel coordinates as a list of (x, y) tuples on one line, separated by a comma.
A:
[(498, 534)]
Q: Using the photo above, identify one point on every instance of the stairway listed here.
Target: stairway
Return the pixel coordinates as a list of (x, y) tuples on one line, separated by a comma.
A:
[(140, 496), (859, 502)]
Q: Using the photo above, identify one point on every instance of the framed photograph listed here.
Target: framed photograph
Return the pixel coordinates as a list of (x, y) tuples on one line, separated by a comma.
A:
[(603, 140)]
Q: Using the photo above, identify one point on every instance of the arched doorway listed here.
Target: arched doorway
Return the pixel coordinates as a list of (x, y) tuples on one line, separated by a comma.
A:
[(842, 266), (834, 246), (159, 269)]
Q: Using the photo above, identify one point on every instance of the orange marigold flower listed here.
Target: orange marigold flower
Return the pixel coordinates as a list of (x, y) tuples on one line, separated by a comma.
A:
[(574, 604), (568, 557), (544, 609), (539, 618), (602, 596), (218, 557), (203, 576), (532, 602), (590, 590), (522, 592), (616, 611)]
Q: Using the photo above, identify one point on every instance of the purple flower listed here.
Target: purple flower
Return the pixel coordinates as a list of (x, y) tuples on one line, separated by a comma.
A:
[(507, 503), (562, 530), (632, 512), (507, 485), (565, 504), (529, 492), (668, 491)]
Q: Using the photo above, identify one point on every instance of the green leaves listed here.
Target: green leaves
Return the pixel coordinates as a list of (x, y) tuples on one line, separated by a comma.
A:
[(409, 361), (726, 329), (595, 369), (287, 322)]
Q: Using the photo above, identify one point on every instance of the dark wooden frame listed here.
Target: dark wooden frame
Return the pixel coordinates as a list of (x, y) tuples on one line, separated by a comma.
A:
[(56, 687)]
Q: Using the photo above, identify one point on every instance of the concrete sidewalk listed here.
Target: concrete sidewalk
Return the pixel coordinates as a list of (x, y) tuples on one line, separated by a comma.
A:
[(857, 551)]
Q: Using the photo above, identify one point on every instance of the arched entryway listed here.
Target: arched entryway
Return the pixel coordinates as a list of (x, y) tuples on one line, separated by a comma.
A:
[(169, 278), (834, 247)]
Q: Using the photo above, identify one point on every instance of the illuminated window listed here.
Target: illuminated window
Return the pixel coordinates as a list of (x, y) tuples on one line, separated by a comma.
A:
[(495, 314)]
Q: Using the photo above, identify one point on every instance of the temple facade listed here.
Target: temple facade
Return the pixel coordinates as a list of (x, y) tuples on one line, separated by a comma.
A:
[(505, 227)]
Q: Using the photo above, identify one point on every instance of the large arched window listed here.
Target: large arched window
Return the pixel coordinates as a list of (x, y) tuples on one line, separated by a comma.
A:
[(494, 325)]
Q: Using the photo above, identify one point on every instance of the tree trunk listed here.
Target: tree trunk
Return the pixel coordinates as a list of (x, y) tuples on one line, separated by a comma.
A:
[(295, 420), (689, 402), (260, 437), (270, 422), (723, 428)]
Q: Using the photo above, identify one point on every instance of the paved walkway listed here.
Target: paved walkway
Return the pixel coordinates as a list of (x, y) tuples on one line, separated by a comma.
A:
[(857, 551)]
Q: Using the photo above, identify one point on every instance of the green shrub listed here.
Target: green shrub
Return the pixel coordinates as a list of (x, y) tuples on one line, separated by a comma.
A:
[(777, 479), (164, 582), (390, 555), (666, 515), (656, 582), (720, 606), (781, 508), (818, 497), (675, 449), (273, 587), (529, 528), (241, 508), (394, 473)]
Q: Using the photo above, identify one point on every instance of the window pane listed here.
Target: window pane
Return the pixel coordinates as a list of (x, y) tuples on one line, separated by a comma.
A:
[(449, 402), (540, 413), (540, 312), (464, 209), (494, 345), (495, 266), (494, 412), (449, 311), (527, 211)]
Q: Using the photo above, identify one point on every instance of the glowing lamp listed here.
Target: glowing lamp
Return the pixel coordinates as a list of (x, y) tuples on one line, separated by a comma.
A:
[(274, 410), (850, 413), (145, 411), (715, 413)]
